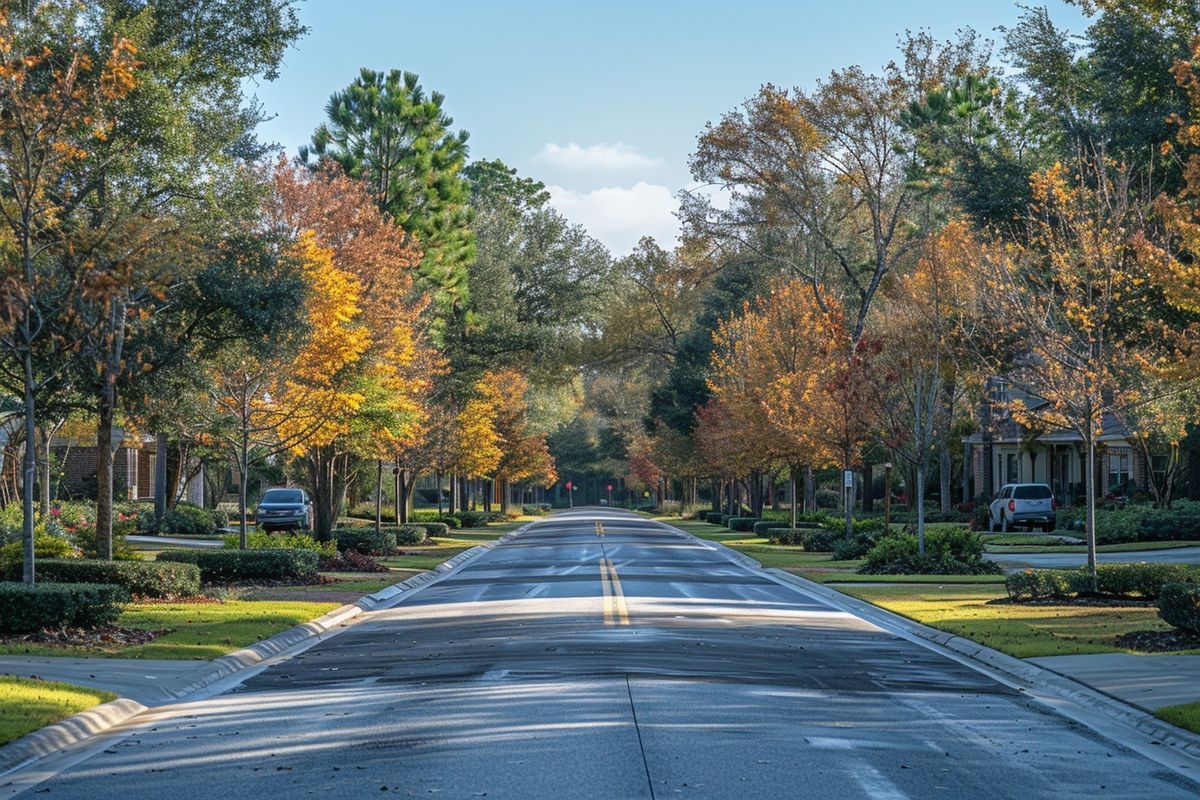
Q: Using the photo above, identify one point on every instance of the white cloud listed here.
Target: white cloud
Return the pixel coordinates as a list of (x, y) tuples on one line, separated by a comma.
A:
[(619, 217), (600, 156)]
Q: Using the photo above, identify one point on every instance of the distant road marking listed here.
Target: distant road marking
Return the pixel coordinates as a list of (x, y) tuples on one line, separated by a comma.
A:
[(614, 598)]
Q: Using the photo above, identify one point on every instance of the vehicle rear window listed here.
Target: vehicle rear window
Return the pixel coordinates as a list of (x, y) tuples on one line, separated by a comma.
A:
[(1032, 493), (283, 496)]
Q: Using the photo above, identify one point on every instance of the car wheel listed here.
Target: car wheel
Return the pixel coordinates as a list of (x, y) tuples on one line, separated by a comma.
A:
[(1048, 527)]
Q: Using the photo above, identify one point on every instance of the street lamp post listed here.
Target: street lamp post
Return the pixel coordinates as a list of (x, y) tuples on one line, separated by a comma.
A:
[(887, 494), (610, 495), (570, 495)]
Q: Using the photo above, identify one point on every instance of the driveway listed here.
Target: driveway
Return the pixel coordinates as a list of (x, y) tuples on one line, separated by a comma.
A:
[(601, 655), (1178, 555)]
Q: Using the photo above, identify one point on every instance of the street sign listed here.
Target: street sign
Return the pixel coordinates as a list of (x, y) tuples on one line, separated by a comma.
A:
[(568, 486), (848, 479), (610, 487)]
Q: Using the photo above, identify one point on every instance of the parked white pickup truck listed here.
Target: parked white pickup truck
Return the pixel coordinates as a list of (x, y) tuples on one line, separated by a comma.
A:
[(1023, 505)]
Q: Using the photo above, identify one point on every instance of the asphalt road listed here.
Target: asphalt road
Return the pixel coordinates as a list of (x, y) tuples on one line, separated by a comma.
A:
[(599, 655)]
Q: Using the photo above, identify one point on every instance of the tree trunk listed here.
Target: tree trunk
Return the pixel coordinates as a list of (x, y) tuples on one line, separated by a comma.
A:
[(868, 499), (104, 474), (327, 489), (378, 494), (160, 476), (921, 508), (1091, 508), (30, 471), (946, 464), (810, 490), (243, 480), (847, 500), (402, 497), (45, 480), (438, 478), (792, 494), (504, 495)]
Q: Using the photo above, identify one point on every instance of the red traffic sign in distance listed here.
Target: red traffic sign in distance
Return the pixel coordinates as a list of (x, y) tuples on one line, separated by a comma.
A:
[(610, 487), (568, 484)]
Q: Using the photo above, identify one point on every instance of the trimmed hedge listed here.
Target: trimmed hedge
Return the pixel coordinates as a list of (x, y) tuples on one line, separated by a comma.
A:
[(141, 578), (28, 609), (1144, 581), (366, 540), (223, 566), (742, 524), (712, 517), (764, 526), (948, 551), (793, 536), (409, 535), (1179, 605), (474, 519), (432, 528)]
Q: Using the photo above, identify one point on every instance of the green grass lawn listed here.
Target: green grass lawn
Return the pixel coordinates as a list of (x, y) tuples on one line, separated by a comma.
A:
[(26, 705), (758, 547), (1024, 631), (1186, 716), (201, 630), (1123, 547)]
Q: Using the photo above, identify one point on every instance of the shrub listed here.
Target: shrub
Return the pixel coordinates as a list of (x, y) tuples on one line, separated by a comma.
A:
[(817, 539), (828, 498), (782, 534), (712, 517), (27, 609), (12, 555), (409, 535), (474, 519), (366, 540), (223, 566), (1141, 580), (351, 561), (187, 519), (764, 527), (725, 519), (1044, 584), (431, 529), (742, 524), (449, 519), (294, 540), (947, 552), (1182, 522), (1179, 605), (139, 578)]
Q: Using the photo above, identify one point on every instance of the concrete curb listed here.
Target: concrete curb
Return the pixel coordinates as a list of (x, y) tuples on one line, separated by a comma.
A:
[(987, 658), (102, 718)]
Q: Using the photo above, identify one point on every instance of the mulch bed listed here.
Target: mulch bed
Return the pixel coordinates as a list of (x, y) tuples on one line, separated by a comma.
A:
[(102, 638), (1158, 641)]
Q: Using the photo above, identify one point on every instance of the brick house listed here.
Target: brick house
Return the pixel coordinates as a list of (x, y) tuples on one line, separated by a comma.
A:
[(133, 469), (1001, 451)]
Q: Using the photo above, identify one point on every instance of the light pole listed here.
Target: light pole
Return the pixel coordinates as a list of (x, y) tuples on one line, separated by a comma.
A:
[(610, 495), (887, 494), (570, 495)]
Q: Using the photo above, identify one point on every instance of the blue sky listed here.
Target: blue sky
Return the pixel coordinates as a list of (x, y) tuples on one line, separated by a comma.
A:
[(601, 100)]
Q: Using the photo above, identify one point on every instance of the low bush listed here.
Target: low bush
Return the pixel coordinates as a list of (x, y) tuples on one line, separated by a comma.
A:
[(1044, 584), (432, 528), (350, 561), (366, 540), (535, 509), (817, 539), (764, 527), (187, 519), (409, 535), (864, 534), (742, 524), (1144, 581), (12, 555), (139, 578), (725, 519), (793, 537), (474, 519), (294, 540), (712, 517), (1141, 580), (1181, 522), (224, 566), (948, 551), (28, 609), (1179, 605)]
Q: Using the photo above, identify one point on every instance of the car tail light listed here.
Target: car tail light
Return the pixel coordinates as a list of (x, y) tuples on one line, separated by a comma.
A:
[(1054, 504), (1012, 505)]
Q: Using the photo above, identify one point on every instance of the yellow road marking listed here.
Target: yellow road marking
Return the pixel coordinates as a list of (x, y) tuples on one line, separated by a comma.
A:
[(618, 596), (608, 599)]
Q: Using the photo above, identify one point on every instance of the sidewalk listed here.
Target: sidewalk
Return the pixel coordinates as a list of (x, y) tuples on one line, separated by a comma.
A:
[(1178, 555), (143, 680), (1150, 682)]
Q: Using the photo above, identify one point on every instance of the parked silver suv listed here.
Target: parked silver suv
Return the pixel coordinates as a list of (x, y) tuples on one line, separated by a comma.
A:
[(1023, 505)]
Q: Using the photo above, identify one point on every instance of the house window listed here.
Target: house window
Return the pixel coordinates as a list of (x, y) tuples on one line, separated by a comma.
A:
[(1159, 465), (1118, 469), (1011, 465), (1000, 391)]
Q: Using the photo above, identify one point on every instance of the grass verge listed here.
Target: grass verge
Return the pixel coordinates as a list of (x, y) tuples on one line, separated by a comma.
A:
[(758, 547), (1023, 631), (26, 705), (199, 630), (834, 576), (1186, 716), (1123, 547)]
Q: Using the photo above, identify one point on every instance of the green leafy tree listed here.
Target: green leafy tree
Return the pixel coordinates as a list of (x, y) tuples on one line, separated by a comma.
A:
[(385, 130)]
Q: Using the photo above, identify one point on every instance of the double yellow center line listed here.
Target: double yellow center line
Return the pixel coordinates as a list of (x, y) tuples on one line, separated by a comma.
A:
[(615, 610)]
